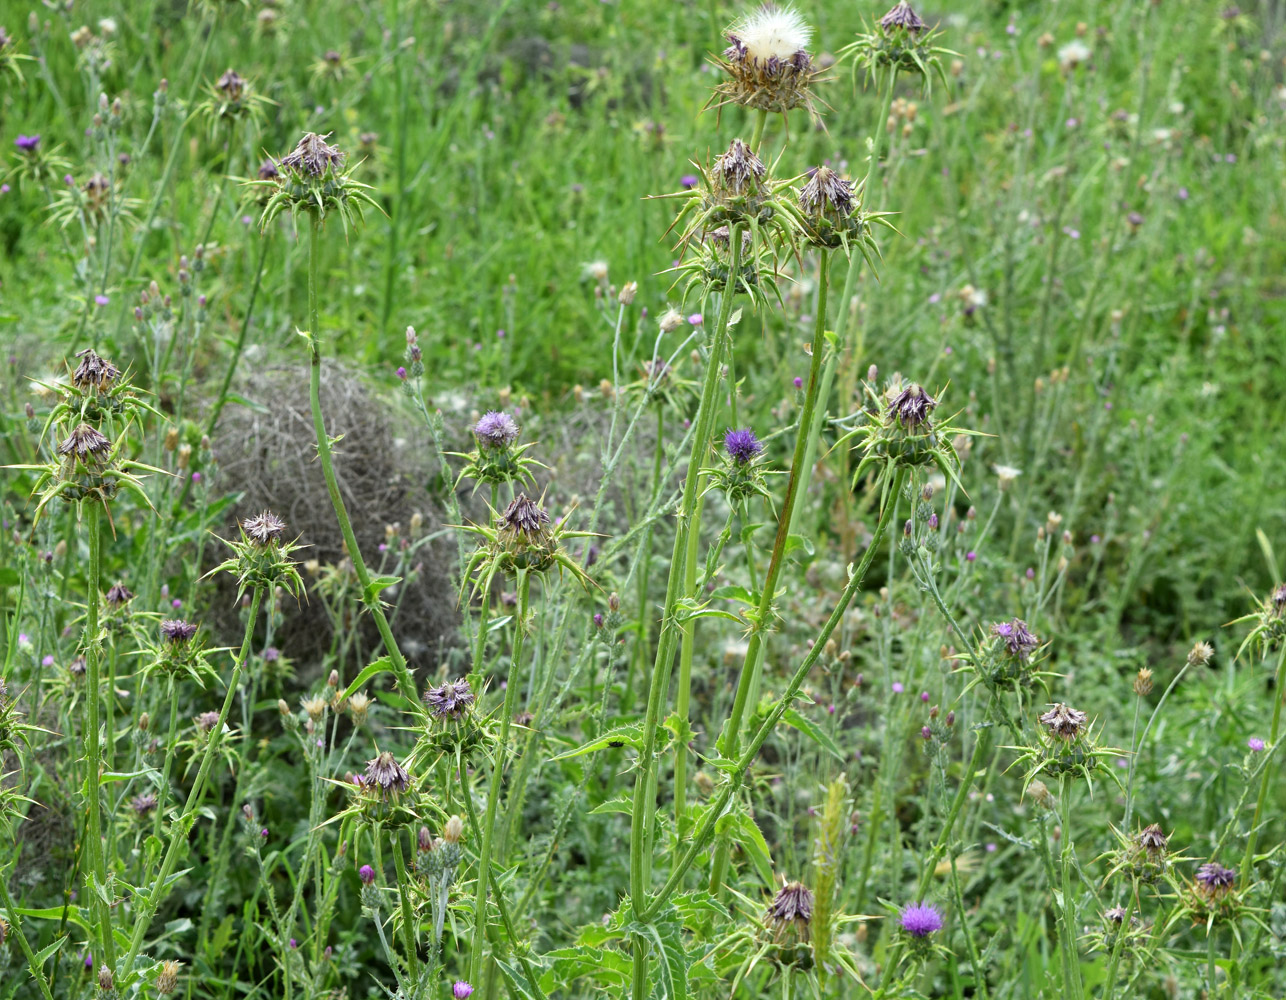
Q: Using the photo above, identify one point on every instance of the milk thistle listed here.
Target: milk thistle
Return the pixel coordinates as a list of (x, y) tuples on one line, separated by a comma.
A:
[(498, 458), (899, 42), (767, 62), (313, 177)]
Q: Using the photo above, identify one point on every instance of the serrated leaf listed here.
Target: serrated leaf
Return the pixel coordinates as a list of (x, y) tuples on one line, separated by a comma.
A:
[(813, 731), (518, 984), (631, 735), (375, 667), (620, 804), (735, 593), (47, 952), (752, 841), (371, 591)]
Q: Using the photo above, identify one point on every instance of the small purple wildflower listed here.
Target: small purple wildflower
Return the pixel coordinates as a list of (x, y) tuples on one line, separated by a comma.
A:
[(401, 373), (920, 919), (367, 874), (897, 687), (971, 556), (689, 181), (799, 382), (924, 696), (741, 445), (27, 143), (461, 990), (101, 300), (196, 477), (48, 661), (695, 319), (1255, 744), (1016, 636)]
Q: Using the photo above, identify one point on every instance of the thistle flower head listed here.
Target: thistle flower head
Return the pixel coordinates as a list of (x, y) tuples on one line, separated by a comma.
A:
[(742, 446), (177, 632), (1016, 637), (264, 528), (143, 804), (367, 874), (791, 909), (167, 981), (268, 170), (495, 429), (94, 374), (386, 774), (767, 61), (451, 700), (85, 443), (1152, 839), (461, 990), (27, 143), (901, 17), (1064, 722), (737, 171), (1116, 915), (206, 721), (827, 195), (314, 157), (524, 519), (912, 407), (920, 919), (1214, 881), (232, 85)]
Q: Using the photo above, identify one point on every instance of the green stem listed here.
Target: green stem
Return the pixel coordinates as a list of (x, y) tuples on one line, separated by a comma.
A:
[(683, 696), (756, 137), (370, 596), (233, 361), (93, 768), (146, 910), (704, 832), (1067, 912), (497, 775), (751, 665), (1279, 694), (644, 810), (403, 891)]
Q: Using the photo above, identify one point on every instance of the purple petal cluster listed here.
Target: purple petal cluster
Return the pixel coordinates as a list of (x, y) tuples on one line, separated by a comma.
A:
[(496, 429), (741, 445), (920, 919), (27, 143)]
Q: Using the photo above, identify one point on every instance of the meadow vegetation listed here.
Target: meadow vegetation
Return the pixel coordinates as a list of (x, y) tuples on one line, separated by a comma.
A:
[(649, 499)]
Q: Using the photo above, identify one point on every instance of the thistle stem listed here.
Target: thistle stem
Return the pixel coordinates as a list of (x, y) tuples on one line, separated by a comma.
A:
[(179, 829), (1279, 694), (403, 891), (497, 776), (704, 832), (751, 665), (370, 595), (644, 810), (15, 925), (93, 768)]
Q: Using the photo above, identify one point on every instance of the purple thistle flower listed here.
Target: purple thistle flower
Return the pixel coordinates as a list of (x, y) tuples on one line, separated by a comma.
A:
[(1255, 744), (27, 143), (496, 429), (1017, 637), (367, 874), (1214, 881), (461, 990), (897, 687), (912, 406), (920, 919), (741, 445), (689, 181), (450, 700), (177, 632)]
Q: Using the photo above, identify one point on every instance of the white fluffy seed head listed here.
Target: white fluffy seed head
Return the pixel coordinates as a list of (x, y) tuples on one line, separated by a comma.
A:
[(772, 32)]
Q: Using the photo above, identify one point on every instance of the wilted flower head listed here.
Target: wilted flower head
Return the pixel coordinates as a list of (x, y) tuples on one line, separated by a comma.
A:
[(791, 909), (177, 632), (451, 700), (1116, 915), (118, 594), (1200, 654), (1152, 839), (94, 372), (827, 195), (524, 518), (264, 527), (268, 170), (387, 774), (453, 830), (901, 16), (738, 171), (912, 406), (767, 61), (920, 919), (742, 446), (206, 721), (231, 85), (1016, 636), (358, 705), (84, 443), (167, 981), (1064, 722), (1073, 54), (313, 156), (496, 429)]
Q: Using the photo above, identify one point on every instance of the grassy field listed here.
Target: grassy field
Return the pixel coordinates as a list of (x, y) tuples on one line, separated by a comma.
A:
[(435, 579)]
